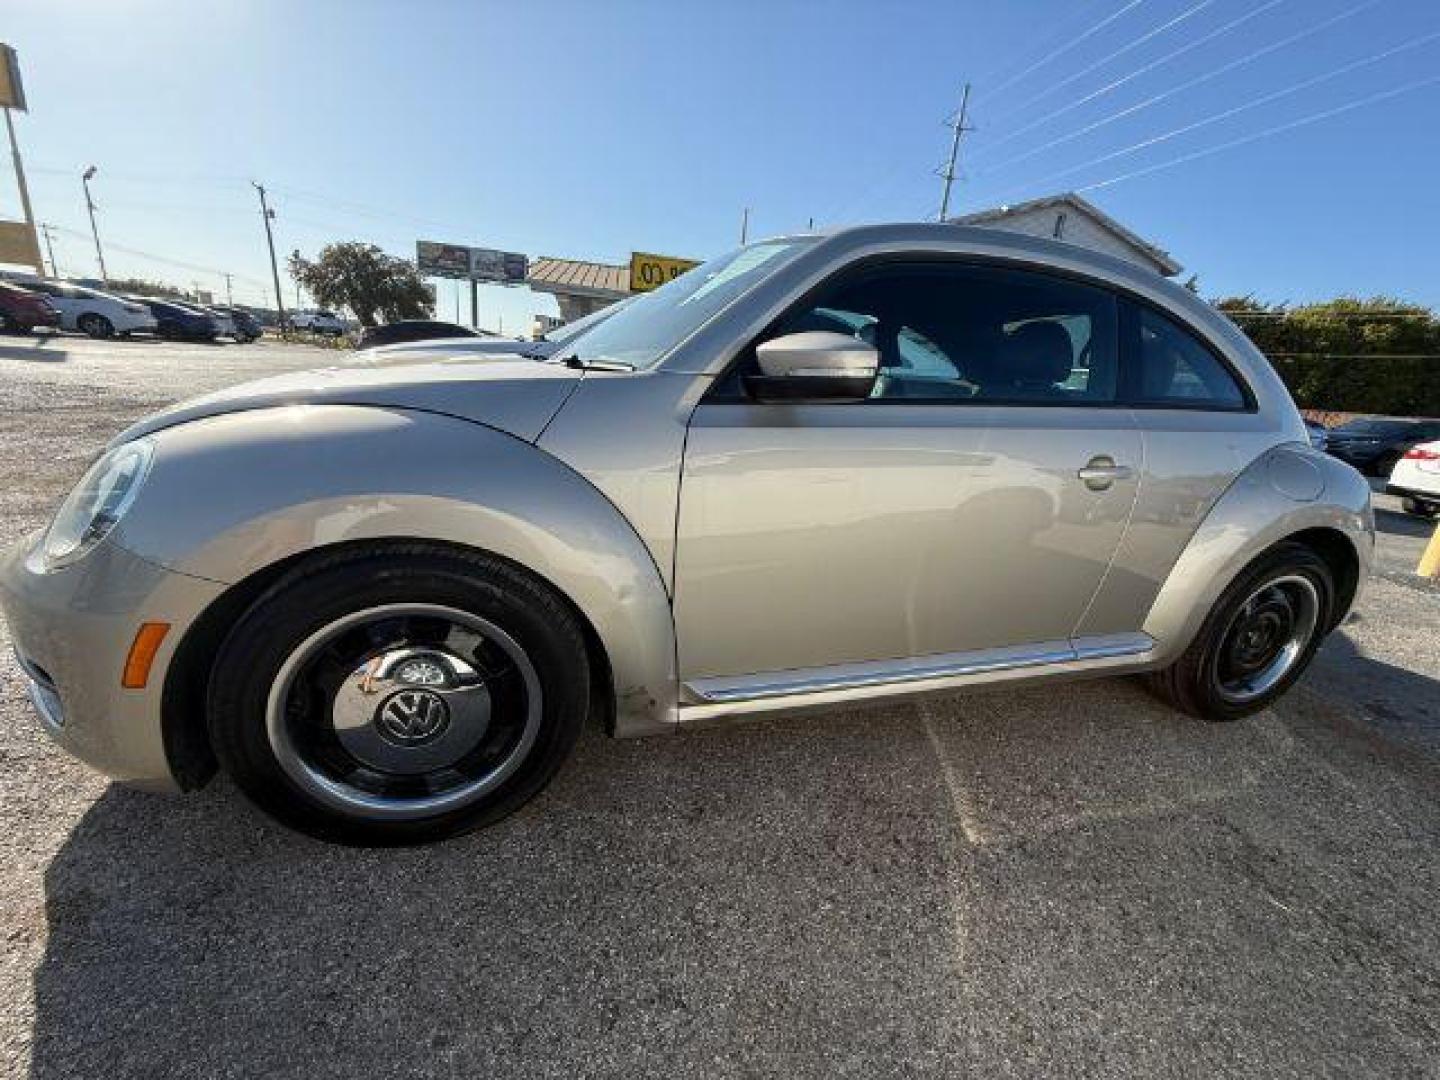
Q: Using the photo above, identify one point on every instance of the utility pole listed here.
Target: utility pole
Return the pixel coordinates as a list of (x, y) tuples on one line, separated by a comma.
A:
[(50, 250), (745, 225), (267, 214), (949, 173), (229, 293), (85, 178)]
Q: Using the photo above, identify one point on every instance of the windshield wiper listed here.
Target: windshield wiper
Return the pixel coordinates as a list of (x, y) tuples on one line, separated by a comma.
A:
[(574, 361)]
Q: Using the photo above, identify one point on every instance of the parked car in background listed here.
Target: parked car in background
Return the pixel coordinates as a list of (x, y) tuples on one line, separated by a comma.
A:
[(174, 319), (542, 347), (386, 602), (246, 326), (1416, 479), (1374, 444), (317, 322), (414, 330), (99, 314), (1319, 434), (22, 310)]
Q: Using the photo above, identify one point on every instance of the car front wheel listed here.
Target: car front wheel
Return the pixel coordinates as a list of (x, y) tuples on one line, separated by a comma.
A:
[(97, 326), (1257, 640), (399, 696)]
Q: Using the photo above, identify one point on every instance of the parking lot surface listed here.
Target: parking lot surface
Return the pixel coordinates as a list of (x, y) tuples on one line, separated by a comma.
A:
[(1010, 883)]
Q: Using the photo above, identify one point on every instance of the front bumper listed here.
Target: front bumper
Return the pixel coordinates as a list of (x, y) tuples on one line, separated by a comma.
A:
[(72, 629)]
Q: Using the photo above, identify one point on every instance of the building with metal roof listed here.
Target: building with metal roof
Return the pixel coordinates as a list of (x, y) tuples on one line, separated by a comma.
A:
[(1074, 220), (580, 288)]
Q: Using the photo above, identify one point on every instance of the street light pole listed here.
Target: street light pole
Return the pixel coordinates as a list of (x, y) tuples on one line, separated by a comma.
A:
[(267, 214), (94, 231)]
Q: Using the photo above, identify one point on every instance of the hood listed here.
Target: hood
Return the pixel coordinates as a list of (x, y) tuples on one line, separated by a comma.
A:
[(407, 352), (518, 397)]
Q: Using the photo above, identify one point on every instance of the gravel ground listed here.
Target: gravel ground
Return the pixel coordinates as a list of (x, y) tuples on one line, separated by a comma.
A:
[(1005, 884)]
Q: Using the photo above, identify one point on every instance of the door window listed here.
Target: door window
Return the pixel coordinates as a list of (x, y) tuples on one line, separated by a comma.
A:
[(964, 333)]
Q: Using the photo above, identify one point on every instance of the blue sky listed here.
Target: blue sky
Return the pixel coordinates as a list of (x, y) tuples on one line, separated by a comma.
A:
[(588, 130)]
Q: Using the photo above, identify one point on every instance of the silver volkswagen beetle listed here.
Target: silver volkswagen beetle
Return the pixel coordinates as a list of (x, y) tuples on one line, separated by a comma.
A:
[(824, 469)]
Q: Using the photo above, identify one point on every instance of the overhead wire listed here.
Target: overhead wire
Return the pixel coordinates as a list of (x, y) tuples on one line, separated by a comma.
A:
[(1295, 88), (1150, 35), (1055, 54), (1189, 84), (1145, 69), (1304, 121)]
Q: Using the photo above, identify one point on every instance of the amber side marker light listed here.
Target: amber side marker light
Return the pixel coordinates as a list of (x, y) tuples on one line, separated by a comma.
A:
[(142, 654)]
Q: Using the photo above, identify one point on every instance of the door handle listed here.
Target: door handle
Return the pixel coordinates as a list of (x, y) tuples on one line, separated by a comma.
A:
[(1101, 471)]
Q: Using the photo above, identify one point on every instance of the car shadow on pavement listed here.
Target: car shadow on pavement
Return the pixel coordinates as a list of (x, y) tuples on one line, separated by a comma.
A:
[(1013, 882), (1397, 523), (40, 349), (662, 896)]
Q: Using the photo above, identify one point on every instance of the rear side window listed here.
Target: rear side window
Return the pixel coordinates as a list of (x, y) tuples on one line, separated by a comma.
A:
[(1174, 369)]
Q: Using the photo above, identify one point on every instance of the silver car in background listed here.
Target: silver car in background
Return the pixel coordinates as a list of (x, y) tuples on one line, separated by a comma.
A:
[(819, 470)]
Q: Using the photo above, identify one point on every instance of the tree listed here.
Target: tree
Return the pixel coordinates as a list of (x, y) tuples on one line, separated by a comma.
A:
[(377, 287)]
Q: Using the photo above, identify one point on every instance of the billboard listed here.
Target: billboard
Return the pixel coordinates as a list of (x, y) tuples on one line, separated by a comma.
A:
[(12, 90), (18, 245), (442, 260), (649, 271), (504, 267), (434, 259)]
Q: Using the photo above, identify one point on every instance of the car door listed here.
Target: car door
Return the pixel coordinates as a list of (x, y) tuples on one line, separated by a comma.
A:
[(949, 513)]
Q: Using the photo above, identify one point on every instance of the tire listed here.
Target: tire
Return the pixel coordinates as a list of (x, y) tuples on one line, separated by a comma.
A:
[(318, 725), (97, 326), (1412, 505), (1211, 680)]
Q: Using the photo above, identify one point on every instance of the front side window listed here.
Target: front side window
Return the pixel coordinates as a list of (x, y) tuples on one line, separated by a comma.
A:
[(975, 333), (1175, 369)]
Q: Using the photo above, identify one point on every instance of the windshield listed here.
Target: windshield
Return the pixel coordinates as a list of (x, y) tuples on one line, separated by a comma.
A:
[(563, 335), (651, 324)]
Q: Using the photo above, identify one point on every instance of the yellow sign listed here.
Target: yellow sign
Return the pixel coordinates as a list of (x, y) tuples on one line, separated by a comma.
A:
[(18, 245), (12, 91), (648, 271)]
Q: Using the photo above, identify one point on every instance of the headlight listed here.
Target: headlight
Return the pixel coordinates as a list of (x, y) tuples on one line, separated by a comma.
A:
[(100, 500)]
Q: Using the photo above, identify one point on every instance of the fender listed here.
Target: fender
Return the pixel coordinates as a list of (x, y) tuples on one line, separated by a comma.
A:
[(1284, 491), (231, 495)]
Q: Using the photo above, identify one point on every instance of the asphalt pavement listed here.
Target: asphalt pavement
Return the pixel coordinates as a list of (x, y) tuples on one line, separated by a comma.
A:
[(1043, 882)]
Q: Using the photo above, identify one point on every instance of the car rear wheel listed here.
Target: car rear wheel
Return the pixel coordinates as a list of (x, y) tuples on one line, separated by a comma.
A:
[(399, 696), (97, 326), (1412, 505), (1257, 640)]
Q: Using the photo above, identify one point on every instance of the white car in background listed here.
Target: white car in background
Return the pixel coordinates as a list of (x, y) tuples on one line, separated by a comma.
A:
[(90, 311), (317, 322), (1416, 479)]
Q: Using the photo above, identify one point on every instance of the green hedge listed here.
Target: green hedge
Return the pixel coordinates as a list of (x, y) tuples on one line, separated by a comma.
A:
[(1378, 355), (1391, 387)]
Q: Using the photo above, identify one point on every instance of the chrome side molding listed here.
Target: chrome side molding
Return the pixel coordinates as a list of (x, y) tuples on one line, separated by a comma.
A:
[(880, 674)]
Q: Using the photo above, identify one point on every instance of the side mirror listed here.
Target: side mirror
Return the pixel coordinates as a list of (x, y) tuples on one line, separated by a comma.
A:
[(817, 365)]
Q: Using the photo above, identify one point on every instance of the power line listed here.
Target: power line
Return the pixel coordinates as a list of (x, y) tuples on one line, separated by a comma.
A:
[(1190, 84), (1314, 118), (1194, 9), (1263, 100), (1066, 47), (152, 256), (1113, 86)]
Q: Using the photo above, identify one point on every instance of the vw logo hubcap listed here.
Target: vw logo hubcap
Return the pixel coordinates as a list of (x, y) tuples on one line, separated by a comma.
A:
[(413, 717)]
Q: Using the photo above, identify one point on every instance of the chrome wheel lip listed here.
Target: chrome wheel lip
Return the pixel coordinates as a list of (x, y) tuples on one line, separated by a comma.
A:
[(341, 797), (1261, 682)]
